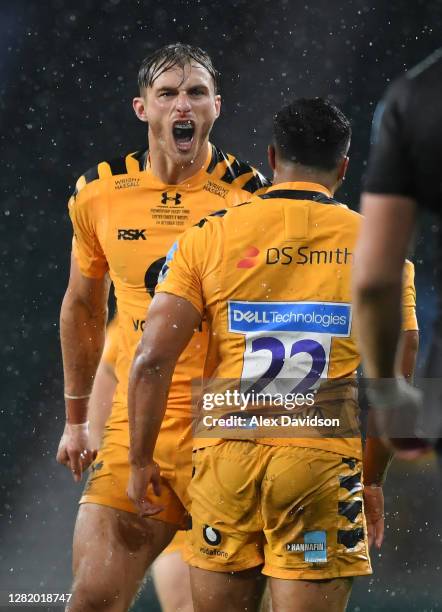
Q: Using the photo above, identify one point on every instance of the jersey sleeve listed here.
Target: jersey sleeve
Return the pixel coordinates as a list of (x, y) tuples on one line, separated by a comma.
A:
[(184, 268), (85, 245), (389, 166), (110, 350), (409, 319)]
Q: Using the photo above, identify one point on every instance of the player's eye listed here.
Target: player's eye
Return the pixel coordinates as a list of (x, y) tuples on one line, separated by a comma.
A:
[(166, 94), (197, 92)]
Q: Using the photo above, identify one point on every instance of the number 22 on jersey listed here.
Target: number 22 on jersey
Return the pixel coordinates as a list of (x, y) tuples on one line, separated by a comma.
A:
[(287, 344)]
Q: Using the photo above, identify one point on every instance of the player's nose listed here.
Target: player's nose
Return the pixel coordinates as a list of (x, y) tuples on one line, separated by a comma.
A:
[(183, 102)]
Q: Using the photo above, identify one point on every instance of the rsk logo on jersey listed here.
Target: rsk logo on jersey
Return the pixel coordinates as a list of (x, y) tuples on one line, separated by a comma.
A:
[(131, 234), (165, 198), (249, 258), (316, 317)]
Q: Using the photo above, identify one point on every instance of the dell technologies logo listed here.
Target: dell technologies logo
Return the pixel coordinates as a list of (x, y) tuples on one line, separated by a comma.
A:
[(316, 317), (250, 316)]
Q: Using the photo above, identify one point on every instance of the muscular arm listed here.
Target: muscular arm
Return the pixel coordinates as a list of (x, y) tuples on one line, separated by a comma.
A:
[(380, 254), (170, 324), (82, 326), (82, 329)]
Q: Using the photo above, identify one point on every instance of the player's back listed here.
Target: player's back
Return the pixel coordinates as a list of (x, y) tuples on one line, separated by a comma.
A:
[(273, 276), (277, 287), (282, 294)]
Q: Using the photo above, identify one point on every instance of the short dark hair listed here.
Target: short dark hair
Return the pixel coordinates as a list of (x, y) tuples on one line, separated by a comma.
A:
[(312, 132), (176, 54)]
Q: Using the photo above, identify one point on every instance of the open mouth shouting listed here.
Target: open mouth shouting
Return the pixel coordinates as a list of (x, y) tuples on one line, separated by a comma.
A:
[(183, 132)]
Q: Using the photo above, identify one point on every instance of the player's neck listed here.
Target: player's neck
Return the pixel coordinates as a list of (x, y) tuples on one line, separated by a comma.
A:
[(170, 171), (291, 173)]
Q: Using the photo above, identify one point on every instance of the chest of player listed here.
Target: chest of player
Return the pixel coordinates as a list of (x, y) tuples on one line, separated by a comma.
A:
[(142, 223)]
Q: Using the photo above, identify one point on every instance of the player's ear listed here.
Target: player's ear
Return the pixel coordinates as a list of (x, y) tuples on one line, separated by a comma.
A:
[(343, 168), (271, 157), (139, 106), (217, 105)]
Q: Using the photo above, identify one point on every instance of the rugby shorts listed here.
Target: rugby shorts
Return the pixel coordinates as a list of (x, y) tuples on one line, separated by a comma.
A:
[(296, 511), (109, 473)]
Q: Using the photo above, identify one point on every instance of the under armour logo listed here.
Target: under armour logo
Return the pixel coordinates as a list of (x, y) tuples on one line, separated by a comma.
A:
[(176, 198)]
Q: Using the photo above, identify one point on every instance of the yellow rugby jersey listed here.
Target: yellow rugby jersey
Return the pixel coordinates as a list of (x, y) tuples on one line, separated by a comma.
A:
[(110, 350), (273, 278), (125, 220)]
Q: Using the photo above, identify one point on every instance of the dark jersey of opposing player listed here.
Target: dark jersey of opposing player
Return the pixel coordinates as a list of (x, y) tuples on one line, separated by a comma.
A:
[(406, 155), (407, 137), (407, 132)]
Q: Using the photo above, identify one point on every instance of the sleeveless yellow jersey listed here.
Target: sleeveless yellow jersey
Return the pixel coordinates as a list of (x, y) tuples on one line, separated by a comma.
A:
[(125, 220), (273, 278)]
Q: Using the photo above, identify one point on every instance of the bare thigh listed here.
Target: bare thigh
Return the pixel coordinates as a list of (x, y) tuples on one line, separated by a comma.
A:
[(266, 601), (171, 577), (232, 591), (112, 550), (310, 595)]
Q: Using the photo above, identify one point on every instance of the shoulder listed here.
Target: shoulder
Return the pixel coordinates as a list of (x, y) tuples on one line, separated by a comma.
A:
[(351, 214), (193, 245), (97, 177), (234, 171), (426, 71), (344, 217), (421, 81), (212, 220), (204, 231), (212, 224)]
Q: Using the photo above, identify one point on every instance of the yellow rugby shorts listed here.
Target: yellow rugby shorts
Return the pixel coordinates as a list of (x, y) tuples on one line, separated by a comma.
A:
[(109, 474), (297, 511)]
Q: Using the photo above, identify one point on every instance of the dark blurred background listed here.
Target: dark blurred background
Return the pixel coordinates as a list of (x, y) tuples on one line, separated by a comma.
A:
[(67, 76)]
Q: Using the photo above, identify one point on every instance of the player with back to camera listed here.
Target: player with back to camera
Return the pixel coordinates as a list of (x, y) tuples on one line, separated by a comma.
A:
[(126, 213), (291, 508), (403, 177)]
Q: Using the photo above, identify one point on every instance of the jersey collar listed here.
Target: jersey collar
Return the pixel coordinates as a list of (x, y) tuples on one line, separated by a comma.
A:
[(191, 181), (301, 186)]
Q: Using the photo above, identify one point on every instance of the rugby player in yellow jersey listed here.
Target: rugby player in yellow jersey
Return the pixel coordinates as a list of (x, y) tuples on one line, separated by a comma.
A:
[(272, 277), (126, 213)]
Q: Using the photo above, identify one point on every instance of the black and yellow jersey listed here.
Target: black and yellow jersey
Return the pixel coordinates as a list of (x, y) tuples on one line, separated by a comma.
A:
[(125, 219), (273, 278)]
